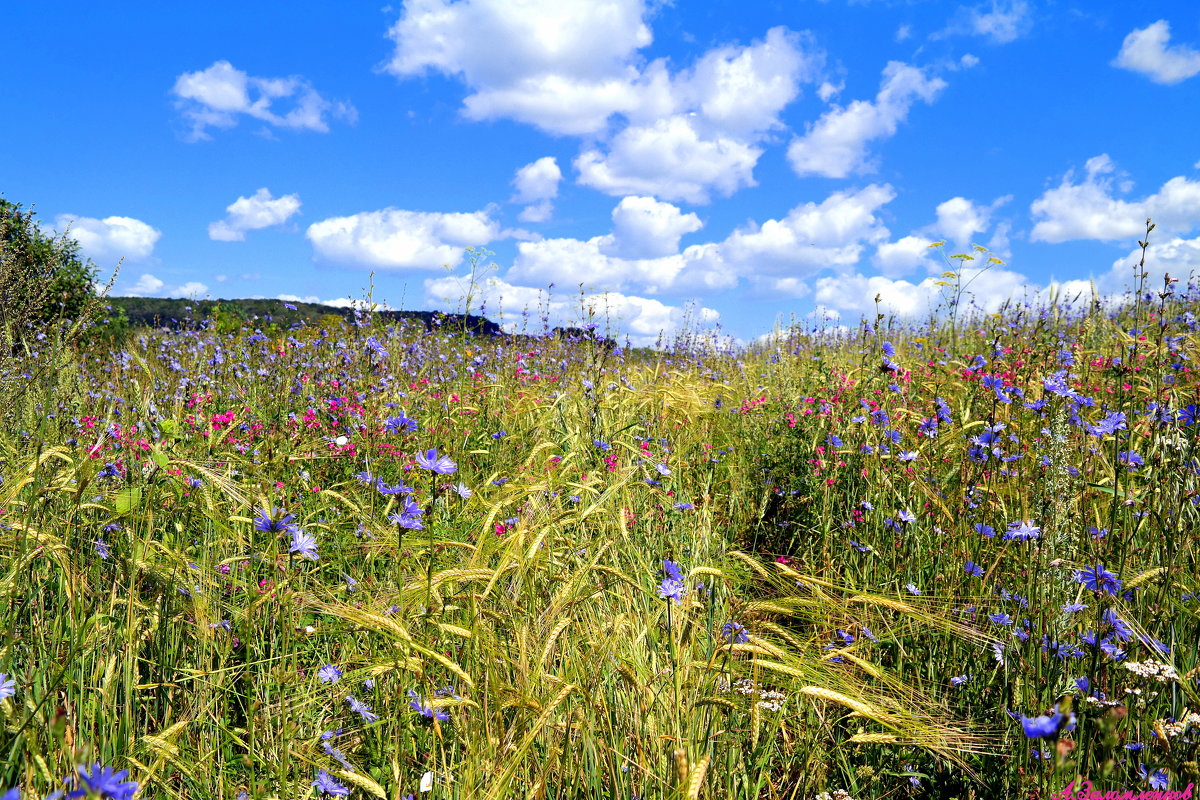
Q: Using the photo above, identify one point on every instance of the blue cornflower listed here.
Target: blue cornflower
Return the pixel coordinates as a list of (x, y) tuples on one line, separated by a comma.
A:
[(985, 530), (326, 784), (959, 680), (425, 709), (1119, 626), (337, 755), (1098, 579), (906, 516), (1001, 619), (1160, 780), (907, 455), (971, 568), (275, 521), (912, 589), (1047, 725), (734, 633), (304, 544), (102, 781), (671, 589), (362, 709), (1189, 414), (889, 350), (102, 549), (602, 445), (440, 465), (1021, 531), (672, 570), (399, 423), (329, 674), (8, 686), (1112, 423), (499, 434)]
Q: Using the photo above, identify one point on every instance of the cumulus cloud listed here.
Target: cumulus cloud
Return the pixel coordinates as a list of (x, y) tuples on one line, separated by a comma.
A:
[(148, 285), (646, 228), (110, 239), (574, 68), (397, 239), (1177, 257), (253, 213), (1148, 51), (337, 302), (903, 256), (699, 136), (1002, 22), (670, 159), (562, 65), (812, 237), (537, 181), (646, 320), (218, 96), (742, 90), (1088, 209), (855, 293), (836, 145), (959, 219), (536, 186)]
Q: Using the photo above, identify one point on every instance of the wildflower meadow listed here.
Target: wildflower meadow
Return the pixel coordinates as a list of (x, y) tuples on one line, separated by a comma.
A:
[(952, 557)]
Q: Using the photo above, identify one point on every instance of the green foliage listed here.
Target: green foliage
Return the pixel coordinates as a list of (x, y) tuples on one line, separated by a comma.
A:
[(42, 278)]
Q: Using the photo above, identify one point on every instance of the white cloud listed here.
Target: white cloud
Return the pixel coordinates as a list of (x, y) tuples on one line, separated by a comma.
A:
[(1087, 210), (836, 145), (1177, 257), (536, 184), (337, 302), (812, 236), (541, 211), (904, 256), (537, 180), (253, 213), (855, 293), (398, 239), (644, 319), (215, 97), (959, 219), (148, 285), (571, 66), (562, 65), (191, 289), (696, 133), (742, 90), (669, 159), (1003, 23), (646, 228), (1147, 50), (110, 239), (829, 90)]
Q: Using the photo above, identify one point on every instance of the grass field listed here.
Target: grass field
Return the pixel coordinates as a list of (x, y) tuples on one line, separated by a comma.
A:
[(954, 559)]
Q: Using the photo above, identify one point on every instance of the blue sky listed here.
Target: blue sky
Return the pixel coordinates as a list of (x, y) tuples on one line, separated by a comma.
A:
[(661, 164)]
